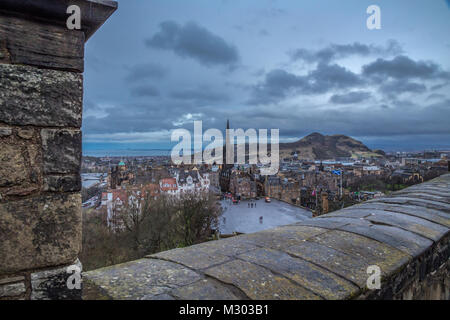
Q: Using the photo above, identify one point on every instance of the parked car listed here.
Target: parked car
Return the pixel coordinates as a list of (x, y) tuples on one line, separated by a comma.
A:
[(268, 200)]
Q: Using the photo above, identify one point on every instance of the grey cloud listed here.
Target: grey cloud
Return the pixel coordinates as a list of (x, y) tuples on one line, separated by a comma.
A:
[(138, 117), (276, 86), (327, 77), (351, 97), (399, 86), (436, 96), (146, 71), (279, 83), (402, 67), (338, 51), (439, 86), (397, 118), (199, 95), (145, 91), (196, 42)]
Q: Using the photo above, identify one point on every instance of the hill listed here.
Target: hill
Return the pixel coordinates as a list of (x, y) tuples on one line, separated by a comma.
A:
[(319, 147)]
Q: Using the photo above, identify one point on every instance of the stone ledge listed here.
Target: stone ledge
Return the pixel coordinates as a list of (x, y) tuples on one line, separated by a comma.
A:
[(94, 12), (406, 235)]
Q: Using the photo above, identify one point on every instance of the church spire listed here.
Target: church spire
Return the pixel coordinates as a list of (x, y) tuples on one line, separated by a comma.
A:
[(227, 142)]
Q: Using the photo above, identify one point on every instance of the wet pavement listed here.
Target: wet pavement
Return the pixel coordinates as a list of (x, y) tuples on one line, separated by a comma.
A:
[(241, 218)]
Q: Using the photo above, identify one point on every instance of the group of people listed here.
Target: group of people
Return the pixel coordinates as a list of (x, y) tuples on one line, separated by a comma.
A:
[(251, 204)]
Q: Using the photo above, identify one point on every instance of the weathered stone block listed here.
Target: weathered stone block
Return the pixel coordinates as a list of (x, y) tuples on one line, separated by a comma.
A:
[(370, 251), (197, 257), (318, 280), (61, 150), (141, 279), (5, 132), (32, 96), (283, 237), (13, 166), (25, 133), (12, 280), (53, 284), (420, 226), (258, 282), (62, 183), (336, 261), (406, 241), (12, 289), (46, 46), (443, 206), (205, 289), (40, 231), (435, 216)]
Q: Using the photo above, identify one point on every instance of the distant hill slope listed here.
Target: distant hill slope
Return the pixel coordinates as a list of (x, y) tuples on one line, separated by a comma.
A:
[(319, 147)]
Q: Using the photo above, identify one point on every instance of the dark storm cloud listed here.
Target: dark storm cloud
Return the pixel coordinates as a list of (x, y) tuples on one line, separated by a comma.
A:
[(399, 86), (338, 51), (193, 41), (145, 91), (403, 67), (279, 84), (200, 95), (327, 77), (448, 3), (436, 96), (398, 118), (351, 97), (439, 86), (146, 71)]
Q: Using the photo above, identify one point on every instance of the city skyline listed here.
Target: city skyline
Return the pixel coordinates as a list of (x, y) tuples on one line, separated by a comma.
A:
[(301, 67)]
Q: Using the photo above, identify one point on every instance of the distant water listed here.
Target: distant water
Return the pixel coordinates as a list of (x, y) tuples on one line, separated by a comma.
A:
[(126, 153), (90, 179)]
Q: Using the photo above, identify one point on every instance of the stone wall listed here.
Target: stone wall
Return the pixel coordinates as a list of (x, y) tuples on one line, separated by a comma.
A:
[(406, 235), (41, 81)]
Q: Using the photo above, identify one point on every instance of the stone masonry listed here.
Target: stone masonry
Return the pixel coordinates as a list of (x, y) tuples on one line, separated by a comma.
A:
[(406, 235), (41, 100)]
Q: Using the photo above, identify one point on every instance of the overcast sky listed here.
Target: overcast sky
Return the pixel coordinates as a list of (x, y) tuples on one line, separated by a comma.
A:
[(300, 66)]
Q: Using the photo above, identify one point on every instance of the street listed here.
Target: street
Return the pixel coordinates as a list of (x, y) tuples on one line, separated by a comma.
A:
[(241, 218)]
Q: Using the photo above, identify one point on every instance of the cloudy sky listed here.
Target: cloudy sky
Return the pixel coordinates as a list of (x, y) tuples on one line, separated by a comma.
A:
[(296, 65)]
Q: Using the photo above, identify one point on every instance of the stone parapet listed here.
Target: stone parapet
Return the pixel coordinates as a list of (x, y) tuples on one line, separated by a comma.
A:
[(405, 235)]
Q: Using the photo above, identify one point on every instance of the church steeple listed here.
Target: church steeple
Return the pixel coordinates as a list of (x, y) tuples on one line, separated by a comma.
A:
[(227, 142)]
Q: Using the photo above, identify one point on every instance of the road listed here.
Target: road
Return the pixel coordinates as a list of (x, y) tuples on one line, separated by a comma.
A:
[(241, 218)]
